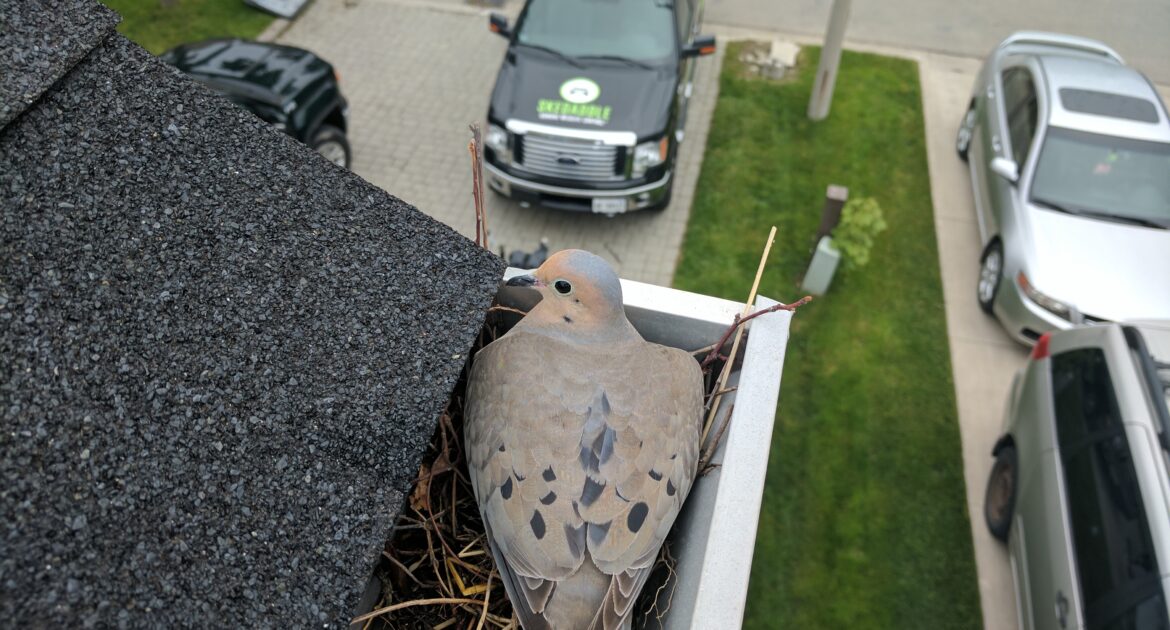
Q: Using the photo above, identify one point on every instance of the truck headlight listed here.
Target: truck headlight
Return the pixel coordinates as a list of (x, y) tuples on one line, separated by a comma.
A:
[(649, 154), (1052, 305), (496, 139)]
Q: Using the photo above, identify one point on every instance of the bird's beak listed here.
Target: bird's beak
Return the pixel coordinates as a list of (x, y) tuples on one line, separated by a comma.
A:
[(526, 280)]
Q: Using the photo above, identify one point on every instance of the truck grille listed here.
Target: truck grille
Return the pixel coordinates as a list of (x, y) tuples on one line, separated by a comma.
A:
[(569, 158)]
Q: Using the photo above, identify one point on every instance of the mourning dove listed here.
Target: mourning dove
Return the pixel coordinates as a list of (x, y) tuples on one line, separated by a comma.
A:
[(582, 442)]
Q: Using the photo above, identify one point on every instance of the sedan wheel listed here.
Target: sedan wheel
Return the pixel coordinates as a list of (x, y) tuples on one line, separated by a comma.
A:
[(990, 273), (999, 503), (966, 128)]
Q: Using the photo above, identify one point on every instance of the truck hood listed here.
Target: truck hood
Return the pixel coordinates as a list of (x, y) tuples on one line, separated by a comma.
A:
[(604, 95), (1107, 270)]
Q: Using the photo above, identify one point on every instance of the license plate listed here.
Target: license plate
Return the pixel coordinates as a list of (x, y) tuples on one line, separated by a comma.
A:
[(604, 205)]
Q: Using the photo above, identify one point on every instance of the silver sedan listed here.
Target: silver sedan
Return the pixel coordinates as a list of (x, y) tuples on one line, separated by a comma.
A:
[(1069, 153)]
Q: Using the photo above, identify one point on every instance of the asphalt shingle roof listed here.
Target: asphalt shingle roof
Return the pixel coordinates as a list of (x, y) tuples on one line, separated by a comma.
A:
[(221, 357), (41, 40)]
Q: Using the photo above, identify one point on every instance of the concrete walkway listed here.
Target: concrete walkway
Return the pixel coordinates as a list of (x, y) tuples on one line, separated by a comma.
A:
[(983, 357)]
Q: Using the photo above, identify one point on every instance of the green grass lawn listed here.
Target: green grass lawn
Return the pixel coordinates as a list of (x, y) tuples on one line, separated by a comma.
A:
[(157, 25), (864, 522)]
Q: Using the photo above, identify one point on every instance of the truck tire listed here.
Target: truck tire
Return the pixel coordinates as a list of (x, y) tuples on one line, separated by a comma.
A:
[(331, 143)]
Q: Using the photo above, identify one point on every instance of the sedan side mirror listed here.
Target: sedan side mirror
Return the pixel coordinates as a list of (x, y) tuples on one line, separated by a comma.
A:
[(702, 46), (498, 24), (1006, 169)]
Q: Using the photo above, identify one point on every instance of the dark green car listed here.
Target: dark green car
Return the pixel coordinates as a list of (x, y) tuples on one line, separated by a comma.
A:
[(291, 88)]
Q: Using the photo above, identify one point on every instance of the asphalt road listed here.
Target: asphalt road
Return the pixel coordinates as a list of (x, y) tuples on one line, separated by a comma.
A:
[(1135, 28)]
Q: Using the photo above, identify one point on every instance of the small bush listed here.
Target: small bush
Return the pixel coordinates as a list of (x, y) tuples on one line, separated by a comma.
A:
[(861, 221)]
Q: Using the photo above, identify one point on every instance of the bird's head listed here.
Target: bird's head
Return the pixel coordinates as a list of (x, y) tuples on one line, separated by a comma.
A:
[(577, 288)]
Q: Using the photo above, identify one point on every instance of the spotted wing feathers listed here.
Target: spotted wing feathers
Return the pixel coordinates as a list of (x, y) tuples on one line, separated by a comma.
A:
[(580, 461)]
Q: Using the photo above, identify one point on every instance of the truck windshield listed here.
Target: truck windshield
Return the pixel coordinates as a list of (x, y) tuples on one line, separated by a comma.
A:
[(642, 30)]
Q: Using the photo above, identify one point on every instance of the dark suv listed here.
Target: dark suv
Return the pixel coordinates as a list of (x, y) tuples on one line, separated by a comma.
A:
[(590, 102), (289, 87)]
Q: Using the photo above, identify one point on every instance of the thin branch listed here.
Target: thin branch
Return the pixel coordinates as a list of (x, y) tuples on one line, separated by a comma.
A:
[(713, 354), (747, 306), (711, 397), (705, 460), (399, 564), (481, 228), (506, 309), (415, 602), (487, 597), (704, 349)]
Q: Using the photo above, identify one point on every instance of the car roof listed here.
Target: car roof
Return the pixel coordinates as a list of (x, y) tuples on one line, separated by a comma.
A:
[(1099, 95), (267, 72)]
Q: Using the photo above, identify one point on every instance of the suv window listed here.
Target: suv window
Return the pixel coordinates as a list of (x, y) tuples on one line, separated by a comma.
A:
[(1116, 566), (1019, 101)]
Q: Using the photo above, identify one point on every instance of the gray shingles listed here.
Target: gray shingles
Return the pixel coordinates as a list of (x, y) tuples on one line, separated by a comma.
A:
[(220, 358), (40, 40)]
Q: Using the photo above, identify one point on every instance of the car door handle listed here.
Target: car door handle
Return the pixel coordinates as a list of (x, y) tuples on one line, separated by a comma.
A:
[(1062, 609), (995, 144)]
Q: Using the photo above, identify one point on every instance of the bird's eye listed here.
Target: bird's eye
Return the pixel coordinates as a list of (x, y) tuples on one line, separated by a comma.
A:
[(563, 287)]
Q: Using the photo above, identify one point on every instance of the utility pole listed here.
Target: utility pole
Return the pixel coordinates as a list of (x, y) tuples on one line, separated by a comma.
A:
[(822, 93)]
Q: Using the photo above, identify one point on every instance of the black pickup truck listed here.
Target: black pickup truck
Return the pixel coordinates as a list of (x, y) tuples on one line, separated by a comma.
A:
[(590, 102), (289, 87)]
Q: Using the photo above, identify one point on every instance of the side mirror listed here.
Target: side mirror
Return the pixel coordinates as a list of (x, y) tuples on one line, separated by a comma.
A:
[(702, 46), (1006, 169), (498, 24)]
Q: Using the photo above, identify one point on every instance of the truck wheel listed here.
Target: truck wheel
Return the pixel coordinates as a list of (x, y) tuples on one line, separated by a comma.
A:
[(331, 143), (665, 202), (999, 504)]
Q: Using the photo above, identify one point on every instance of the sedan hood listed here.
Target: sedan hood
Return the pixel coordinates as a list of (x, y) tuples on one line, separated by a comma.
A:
[(604, 95), (1107, 270)]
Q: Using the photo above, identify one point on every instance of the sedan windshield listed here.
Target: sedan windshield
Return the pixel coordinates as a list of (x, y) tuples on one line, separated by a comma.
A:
[(642, 30), (1104, 176)]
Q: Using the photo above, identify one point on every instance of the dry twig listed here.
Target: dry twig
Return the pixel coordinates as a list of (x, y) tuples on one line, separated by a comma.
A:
[(474, 146), (719, 387), (416, 602), (705, 461), (721, 383)]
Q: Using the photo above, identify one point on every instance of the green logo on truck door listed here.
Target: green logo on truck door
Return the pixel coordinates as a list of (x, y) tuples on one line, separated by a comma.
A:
[(576, 105)]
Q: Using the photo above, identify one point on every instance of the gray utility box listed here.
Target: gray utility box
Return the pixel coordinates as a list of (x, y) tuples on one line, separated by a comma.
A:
[(820, 271), (715, 535)]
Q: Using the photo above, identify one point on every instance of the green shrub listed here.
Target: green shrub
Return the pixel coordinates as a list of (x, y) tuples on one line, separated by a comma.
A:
[(861, 221)]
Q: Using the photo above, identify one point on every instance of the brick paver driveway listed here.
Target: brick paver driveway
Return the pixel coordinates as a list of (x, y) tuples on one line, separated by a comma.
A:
[(417, 73)]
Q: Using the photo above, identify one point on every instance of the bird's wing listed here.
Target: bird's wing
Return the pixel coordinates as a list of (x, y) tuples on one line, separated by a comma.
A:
[(652, 417), (570, 451), (518, 426)]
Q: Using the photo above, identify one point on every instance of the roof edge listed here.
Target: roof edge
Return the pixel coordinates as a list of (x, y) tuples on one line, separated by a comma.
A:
[(41, 41)]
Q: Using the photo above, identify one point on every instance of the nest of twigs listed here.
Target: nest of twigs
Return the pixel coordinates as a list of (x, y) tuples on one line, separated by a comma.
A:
[(437, 570)]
